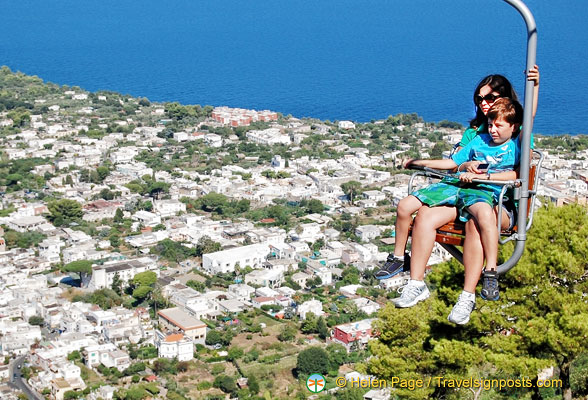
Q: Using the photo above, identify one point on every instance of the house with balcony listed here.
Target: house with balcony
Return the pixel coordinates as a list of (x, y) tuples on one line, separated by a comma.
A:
[(352, 334), (174, 345)]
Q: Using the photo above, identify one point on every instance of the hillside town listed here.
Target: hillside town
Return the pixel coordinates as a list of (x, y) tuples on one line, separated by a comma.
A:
[(155, 250)]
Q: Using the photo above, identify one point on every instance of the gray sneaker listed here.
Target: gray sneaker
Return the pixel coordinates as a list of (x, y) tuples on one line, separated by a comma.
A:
[(412, 294), (460, 314)]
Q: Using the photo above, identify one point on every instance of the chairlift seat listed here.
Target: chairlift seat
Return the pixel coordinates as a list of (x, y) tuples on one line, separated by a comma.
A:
[(453, 233)]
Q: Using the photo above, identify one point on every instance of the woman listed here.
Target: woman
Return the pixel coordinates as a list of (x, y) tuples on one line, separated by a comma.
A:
[(429, 219)]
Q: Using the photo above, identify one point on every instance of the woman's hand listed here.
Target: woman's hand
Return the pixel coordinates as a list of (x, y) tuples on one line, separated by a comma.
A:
[(406, 163), (533, 75)]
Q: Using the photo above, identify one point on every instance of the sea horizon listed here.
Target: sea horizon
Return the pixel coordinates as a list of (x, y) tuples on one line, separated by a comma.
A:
[(329, 61)]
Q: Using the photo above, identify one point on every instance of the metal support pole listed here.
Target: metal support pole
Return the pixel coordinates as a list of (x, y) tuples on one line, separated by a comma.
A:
[(526, 138)]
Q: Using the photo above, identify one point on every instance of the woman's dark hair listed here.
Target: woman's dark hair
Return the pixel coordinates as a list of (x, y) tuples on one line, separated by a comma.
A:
[(499, 84)]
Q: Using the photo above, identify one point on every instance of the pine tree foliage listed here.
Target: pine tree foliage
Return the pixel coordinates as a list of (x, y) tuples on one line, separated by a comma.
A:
[(541, 319)]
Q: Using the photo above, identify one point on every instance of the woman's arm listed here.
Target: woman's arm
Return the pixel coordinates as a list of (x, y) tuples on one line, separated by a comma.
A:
[(437, 164), (533, 75)]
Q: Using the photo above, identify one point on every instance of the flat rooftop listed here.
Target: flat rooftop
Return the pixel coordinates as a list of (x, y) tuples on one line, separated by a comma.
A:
[(178, 317)]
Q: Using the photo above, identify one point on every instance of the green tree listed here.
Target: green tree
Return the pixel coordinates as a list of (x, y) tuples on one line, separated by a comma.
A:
[(117, 284), (36, 320), (102, 172), (579, 376), (64, 211), (288, 333), (439, 148), (198, 286), (350, 276), (312, 360), (268, 173), (352, 393), (213, 337), (225, 383), (157, 188), (235, 353), (74, 355), (207, 245), (539, 321), (114, 240), (309, 324), (106, 194), (82, 267), (214, 202), (337, 355), (141, 292), (253, 384), (315, 206), (321, 328), (118, 216), (147, 278), (351, 189)]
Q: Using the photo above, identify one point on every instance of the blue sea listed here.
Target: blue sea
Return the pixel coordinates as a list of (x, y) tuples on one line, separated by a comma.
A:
[(327, 59)]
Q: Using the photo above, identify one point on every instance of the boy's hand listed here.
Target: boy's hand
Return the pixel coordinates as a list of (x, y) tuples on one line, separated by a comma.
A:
[(471, 166), (469, 176), (533, 75)]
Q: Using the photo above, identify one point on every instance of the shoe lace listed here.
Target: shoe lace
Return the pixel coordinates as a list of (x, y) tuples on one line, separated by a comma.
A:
[(491, 283), (410, 291), (463, 305)]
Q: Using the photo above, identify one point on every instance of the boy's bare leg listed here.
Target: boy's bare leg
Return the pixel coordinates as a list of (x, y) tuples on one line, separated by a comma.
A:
[(473, 252), (485, 217), (406, 208), (426, 223)]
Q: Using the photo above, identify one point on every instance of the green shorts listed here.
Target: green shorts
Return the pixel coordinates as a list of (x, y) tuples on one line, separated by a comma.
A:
[(461, 197)]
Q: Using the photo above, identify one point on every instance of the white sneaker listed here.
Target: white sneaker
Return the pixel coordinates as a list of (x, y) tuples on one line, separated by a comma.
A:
[(460, 314), (412, 293)]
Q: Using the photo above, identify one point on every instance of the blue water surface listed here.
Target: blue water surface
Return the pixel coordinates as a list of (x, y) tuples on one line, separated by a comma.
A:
[(344, 59)]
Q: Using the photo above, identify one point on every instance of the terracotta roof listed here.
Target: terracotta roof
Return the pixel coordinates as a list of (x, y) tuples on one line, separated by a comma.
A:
[(174, 337)]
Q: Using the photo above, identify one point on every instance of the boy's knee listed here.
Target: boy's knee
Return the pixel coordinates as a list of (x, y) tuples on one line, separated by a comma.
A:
[(484, 214)]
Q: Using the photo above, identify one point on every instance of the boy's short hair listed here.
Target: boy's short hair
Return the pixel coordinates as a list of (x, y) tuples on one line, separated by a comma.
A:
[(506, 109)]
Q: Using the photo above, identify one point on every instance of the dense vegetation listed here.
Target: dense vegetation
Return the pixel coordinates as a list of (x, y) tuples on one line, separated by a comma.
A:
[(539, 322)]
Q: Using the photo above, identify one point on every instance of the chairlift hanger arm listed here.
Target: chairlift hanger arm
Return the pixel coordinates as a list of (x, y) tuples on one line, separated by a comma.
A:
[(526, 136)]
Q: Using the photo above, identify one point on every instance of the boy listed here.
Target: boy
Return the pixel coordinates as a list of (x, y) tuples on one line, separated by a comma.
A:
[(475, 201)]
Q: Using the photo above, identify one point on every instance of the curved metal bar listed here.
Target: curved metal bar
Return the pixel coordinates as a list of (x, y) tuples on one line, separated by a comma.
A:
[(526, 137), (534, 192)]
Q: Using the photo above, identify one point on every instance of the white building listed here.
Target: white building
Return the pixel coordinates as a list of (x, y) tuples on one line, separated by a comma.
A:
[(174, 346), (168, 208), (268, 137), (50, 249), (241, 291), (368, 232), (123, 156), (265, 277), (375, 195), (225, 261), (177, 320), (103, 275), (26, 224), (147, 218), (313, 306), (346, 125)]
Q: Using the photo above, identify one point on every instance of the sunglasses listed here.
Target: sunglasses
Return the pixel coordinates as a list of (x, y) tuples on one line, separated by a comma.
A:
[(490, 98)]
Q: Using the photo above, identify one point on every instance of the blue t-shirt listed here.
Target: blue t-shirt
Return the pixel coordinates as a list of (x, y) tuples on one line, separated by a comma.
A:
[(505, 157)]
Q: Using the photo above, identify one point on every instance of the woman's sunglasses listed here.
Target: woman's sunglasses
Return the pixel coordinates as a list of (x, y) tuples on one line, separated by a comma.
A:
[(490, 98)]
